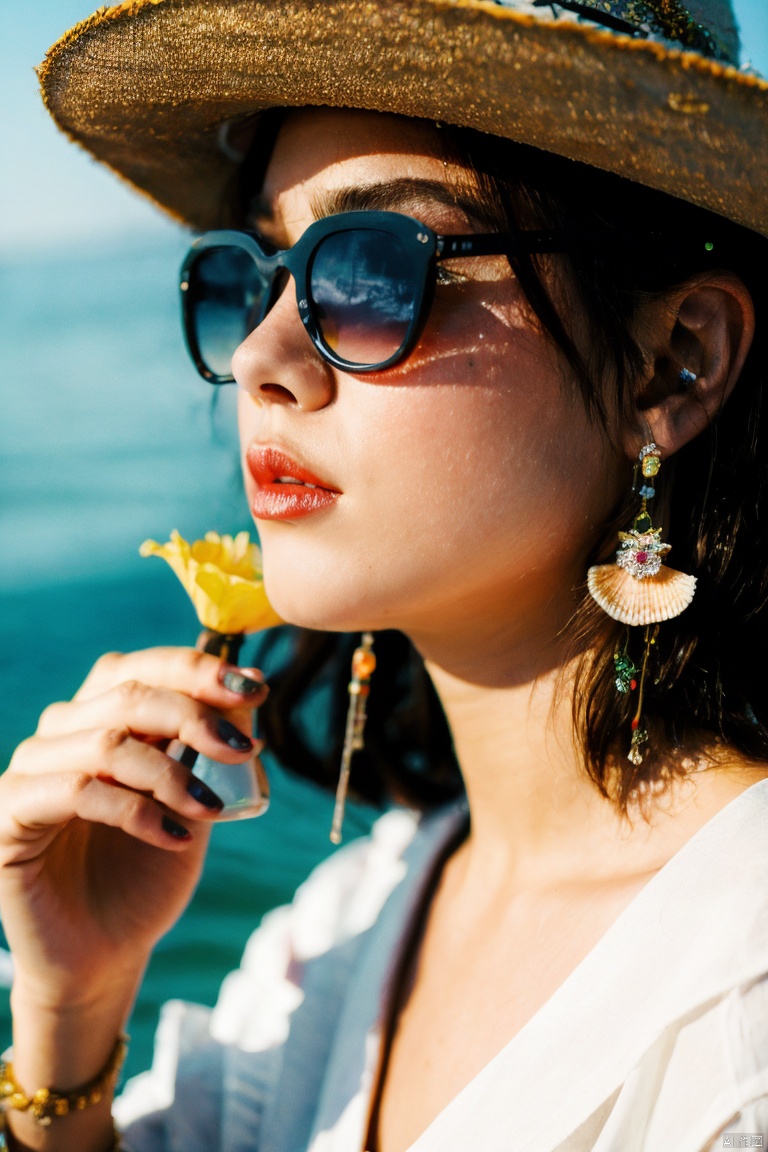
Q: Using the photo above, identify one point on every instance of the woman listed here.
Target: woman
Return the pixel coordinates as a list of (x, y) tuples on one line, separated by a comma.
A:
[(446, 450)]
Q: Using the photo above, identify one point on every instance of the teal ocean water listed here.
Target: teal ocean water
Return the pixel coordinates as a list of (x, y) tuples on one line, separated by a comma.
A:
[(107, 437)]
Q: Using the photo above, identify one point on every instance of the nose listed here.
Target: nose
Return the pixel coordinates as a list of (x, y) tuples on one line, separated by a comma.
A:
[(278, 363)]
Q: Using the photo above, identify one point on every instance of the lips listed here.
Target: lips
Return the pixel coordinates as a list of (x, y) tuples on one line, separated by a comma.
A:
[(285, 489)]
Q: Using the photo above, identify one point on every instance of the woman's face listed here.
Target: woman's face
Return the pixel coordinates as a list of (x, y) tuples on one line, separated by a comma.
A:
[(464, 485)]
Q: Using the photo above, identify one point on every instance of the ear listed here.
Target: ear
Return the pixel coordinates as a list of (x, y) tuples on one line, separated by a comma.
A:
[(702, 329)]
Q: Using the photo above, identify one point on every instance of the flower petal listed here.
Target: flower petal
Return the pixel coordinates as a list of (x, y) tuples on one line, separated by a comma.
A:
[(222, 577)]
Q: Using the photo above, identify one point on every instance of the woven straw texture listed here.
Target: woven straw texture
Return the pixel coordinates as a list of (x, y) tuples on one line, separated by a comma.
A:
[(146, 86)]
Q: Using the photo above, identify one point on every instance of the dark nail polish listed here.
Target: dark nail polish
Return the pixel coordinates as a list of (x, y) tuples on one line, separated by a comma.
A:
[(178, 831), (233, 736), (204, 795), (188, 756), (243, 685)]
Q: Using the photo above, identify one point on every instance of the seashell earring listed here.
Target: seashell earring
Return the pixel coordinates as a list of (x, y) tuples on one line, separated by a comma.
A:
[(638, 589)]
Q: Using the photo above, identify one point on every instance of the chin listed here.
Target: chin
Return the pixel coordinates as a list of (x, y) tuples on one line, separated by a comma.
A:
[(318, 584), (323, 609)]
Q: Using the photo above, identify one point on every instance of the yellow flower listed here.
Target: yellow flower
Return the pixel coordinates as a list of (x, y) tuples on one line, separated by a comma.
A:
[(222, 576)]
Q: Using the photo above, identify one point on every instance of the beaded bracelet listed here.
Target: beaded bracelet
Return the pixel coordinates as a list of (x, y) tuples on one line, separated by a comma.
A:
[(115, 1146), (46, 1104)]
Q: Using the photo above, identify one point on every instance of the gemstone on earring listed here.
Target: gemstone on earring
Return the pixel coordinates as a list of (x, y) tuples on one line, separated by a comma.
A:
[(651, 465), (625, 672), (641, 552), (686, 377)]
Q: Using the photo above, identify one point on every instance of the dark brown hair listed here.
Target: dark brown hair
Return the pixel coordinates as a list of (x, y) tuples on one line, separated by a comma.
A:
[(629, 245)]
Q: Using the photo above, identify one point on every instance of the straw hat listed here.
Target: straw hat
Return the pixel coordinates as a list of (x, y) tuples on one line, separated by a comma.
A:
[(165, 91)]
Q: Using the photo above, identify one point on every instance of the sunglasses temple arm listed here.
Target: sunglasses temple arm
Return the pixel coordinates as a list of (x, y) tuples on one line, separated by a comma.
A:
[(496, 244), (530, 243)]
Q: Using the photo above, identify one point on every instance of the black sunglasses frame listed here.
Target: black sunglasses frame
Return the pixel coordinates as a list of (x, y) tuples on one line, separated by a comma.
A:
[(428, 249)]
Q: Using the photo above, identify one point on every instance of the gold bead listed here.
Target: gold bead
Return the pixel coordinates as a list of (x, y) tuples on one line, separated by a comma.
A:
[(363, 664), (46, 1103), (651, 465)]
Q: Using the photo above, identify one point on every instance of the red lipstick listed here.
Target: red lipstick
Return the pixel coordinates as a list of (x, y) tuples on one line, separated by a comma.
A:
[(285, 489)]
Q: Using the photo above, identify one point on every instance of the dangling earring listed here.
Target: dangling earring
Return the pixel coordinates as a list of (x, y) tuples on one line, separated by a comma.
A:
[(626, 682), (363, 667), (638, 589)]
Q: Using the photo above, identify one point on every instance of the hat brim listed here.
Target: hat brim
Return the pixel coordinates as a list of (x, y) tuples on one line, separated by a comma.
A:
[(146, 87)]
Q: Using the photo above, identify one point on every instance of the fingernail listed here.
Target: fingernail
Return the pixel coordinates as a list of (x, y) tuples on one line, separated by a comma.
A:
[(204, 795), (188, 756), (178, 831), (242, 684), (233, 736)]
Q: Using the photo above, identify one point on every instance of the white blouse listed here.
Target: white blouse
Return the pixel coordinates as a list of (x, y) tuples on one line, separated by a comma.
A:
[(657, 1040)]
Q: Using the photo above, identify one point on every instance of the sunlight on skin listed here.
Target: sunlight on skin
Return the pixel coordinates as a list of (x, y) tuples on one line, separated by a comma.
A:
[(518, 485), (465, 511)]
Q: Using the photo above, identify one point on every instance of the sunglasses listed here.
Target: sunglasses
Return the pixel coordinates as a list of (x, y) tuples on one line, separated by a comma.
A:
[(364, 286)]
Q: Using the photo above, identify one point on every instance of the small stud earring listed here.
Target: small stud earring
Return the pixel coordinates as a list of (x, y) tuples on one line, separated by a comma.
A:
[(686, 378)]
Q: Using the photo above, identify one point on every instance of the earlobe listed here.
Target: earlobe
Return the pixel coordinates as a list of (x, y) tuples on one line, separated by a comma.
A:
[(700, 336)]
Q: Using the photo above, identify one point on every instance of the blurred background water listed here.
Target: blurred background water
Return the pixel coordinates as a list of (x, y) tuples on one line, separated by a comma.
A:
[(107, 436)]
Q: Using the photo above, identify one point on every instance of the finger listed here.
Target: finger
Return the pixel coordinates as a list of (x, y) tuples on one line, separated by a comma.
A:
[(157, 713), (197, 674), (38, 807), (117, 756)]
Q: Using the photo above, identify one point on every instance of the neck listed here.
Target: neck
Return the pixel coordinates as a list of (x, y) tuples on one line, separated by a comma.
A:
[(536, 816), (529, 795)]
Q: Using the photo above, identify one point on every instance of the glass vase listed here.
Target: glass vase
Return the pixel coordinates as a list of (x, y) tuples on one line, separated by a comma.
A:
[(242, 787)]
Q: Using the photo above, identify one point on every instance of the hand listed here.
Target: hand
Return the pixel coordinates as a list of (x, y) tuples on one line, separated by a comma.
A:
[(102, 837)]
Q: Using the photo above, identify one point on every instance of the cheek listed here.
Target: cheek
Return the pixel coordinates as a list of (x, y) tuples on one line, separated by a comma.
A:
[(472, 494), (481, 469), (474, 330), (451, 491), (489, 438)]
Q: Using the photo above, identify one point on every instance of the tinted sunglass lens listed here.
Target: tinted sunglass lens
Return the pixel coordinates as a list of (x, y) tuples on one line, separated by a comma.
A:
[(225, 300), (365, 294)]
